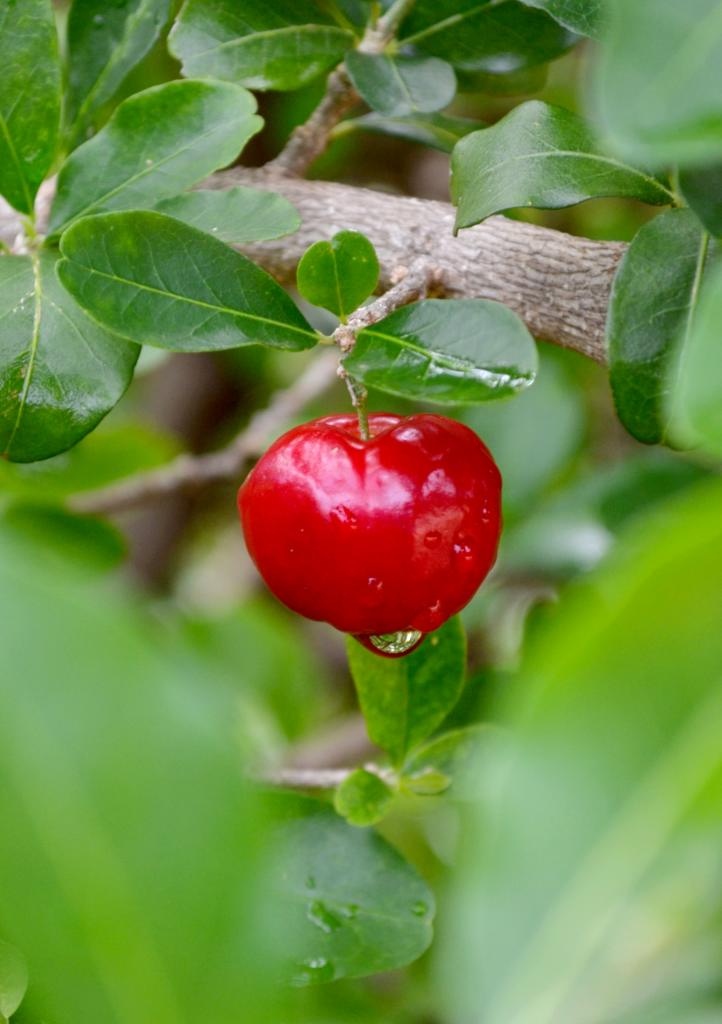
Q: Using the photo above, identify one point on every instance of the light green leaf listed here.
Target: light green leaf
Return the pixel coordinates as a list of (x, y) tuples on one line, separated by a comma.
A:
[(539, 155), (399, 85), (452, 760), (363, 798), (654, 297), (105, 41), (404, 699), (13, 979), (84, 543), (583, 16), (29, 98), (235, 215), (702, 188), (353, 906), (156, 144), (158, 281), (440, 131), (279, 45), (339, 274), (60, 373), (452, 351), (658, 89)]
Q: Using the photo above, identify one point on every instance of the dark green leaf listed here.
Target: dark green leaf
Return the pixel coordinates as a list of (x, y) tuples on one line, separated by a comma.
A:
[(85, 543), (404, 699), (13, 979), (338, 275), (363, 798), (29, 98), (496, 38), (440, 131), (702, 188), (156, 144), (279, 45), (105, 41), (515, 83), (450, 760), (399, 85), (60, 373), (158, 281), (354, 906), (658, 85), (452, 351), (583, 16), (539, 155), (653, 300), (235, 215)]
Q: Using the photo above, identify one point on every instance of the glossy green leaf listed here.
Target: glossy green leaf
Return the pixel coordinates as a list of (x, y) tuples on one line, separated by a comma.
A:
[(353, 906), (363, 798), (450, 761), (440, 131), (235, 215), (105, 41), (452, 351), (539, 155), (29, 98), (156, 144), (496, 38), (160, 282), (653, 301), (279, 45), (658, 89), (702, 188), (13, 979), (339, 274), (606, 798), (60, 372), (583, 16), (399, 85), (404, 699)]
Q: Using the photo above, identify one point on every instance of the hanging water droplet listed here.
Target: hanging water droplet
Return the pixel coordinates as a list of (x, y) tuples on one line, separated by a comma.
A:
[(420, 909), (396, 643), (318, 913), (432, 539)]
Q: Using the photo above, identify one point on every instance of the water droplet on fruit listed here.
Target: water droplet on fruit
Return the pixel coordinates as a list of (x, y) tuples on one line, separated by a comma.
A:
[(464, 546), (344, 516), (319, 914), (396, 643), (432, 539), (316, 968), (435, 608), (375, 590), (420, 909)]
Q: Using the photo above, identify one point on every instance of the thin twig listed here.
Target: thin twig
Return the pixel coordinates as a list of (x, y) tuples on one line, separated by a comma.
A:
[(315, 778)]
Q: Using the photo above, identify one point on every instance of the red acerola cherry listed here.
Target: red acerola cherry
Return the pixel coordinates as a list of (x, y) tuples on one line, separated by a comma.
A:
[(379, 537)]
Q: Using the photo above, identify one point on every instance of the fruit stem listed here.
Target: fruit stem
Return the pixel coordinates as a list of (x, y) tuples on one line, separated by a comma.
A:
[(358, 396)]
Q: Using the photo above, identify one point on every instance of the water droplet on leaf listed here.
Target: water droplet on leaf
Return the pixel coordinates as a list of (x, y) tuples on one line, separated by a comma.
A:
[(314, 969), (396, 643), (319, 914), (420, 909)]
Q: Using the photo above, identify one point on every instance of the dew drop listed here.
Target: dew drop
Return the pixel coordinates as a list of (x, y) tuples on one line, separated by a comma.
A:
[(343, 515), (396, 643), (316, 968), (432, 539), (318, 913), (420, 909), (350, 910)]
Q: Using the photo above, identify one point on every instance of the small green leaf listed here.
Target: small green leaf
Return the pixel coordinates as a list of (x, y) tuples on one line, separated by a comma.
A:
[(352, 905), (156, 144), (338, 275), (702, 188), (60, 372), (583, 16), (13, 979), (279, 45), (449, 760), (399, 85), (404, 699), (363, 798), (105, 41), (29, 98), (440, 131), (235, 215), (653, 301), (160, 282), (451, 351), (539, 155)]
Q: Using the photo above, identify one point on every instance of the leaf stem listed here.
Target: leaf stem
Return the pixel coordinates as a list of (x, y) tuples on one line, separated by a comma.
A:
[(389, 23)]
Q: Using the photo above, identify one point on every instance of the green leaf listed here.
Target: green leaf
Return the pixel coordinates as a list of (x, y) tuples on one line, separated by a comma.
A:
[(158, 281), (282, 45), (702, 188), (496, 38), (84, 542), (451, 351), (583, 16), (658, 88), (539, 155), (156, 144), (400, 85), (363, 798), (105, 41), (450, 760), (353, 907), (29, 98), (13, 979), (515, 83), (606, 797), (404, 699), (440, 131), (60, 373), (653, 300), (235, 215), (339, 274)]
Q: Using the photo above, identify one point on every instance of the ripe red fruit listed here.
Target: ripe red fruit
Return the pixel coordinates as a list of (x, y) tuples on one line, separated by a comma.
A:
[(376, 537)]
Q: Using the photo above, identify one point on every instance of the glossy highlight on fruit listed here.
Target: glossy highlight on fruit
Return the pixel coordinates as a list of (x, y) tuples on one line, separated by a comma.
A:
[(377, 537)]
